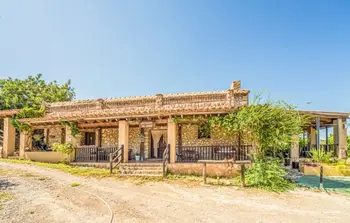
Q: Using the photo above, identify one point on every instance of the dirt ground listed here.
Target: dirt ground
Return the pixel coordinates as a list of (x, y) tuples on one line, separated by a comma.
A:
[(45, 195)]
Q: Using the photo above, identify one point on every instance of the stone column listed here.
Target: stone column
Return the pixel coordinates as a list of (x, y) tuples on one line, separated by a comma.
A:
[(172, 129), (294, 153), (340, 137), (98, 137), (124, 138), (25, 143), (9, 138), (312, 135), (69, 138), (72, 140)]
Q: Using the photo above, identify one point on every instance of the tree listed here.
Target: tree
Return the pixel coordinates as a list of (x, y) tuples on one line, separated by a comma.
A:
[(268, 125), (29, 95), (32, 92)]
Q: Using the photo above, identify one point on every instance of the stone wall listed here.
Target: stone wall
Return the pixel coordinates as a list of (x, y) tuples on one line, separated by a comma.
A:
[(217, 137), (134, 140), (55, 136), (213, 170), (110, 136)]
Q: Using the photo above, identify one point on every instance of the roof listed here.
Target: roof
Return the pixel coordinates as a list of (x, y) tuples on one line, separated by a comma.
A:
[(146, 106), (9, 113), (326, 114)]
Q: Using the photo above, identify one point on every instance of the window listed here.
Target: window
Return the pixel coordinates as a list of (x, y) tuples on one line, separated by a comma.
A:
[(90, 138), (204, 131)]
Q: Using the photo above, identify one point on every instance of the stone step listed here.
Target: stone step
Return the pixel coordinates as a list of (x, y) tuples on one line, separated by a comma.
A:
[(140, 168), (140, 171), (141, 164), (141, 175)]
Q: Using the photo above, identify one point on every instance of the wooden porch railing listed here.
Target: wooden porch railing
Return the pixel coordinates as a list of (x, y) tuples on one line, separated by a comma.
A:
[(195, 153), (93, 153), (116, 158), (166, 160)]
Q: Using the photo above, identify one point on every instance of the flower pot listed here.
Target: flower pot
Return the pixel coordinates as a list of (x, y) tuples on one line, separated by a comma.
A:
[(137, 157)]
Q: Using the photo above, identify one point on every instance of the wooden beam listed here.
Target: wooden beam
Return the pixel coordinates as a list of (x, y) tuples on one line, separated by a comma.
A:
[(96, 125)]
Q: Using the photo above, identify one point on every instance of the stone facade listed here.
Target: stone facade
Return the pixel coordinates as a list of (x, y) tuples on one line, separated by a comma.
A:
[(55, 136), (109, 137), (217, 137), (134, 140)]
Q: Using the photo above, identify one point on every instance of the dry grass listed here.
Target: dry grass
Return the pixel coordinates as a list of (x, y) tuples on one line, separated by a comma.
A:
[(4, 197), (77, 171), (185, 180)]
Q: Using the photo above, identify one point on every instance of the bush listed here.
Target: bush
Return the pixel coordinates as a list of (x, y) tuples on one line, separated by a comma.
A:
[(66, 148), (268, 173), (321, 156)]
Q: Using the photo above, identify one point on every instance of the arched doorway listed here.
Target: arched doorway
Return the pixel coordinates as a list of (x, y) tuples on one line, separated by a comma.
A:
[(158, 143)]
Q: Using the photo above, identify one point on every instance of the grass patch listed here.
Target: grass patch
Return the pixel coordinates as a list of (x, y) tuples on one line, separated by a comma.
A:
[(77, 171), (196, 179), (4, 197), (75, 185)]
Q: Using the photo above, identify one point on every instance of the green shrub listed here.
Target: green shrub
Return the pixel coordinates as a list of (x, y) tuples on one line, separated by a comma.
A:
[(321, 156), (65, 148), (268, 173)]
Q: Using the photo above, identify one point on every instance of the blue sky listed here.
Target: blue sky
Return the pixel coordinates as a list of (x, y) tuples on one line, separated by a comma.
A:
[(297, 50)]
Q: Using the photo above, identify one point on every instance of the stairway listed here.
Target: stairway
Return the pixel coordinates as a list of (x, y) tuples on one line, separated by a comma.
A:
[(141, 169)]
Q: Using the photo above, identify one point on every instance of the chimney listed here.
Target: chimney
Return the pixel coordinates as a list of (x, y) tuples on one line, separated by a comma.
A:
[(235, 85)]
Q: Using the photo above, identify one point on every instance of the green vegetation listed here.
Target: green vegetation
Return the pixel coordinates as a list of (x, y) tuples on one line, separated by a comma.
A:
[(321, 156), (30, 95), (66, 148), (267, 173), (74, 130), (75, 185), (271, 126), (78, 171)]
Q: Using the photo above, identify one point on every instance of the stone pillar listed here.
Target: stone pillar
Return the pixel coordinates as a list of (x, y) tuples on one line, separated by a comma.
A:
[(124, 138), (172, 129), (294, 153), (340, 137), (9, 138), (98, 137), (312, 135), (25, 143), (72, 140), (69, 138)]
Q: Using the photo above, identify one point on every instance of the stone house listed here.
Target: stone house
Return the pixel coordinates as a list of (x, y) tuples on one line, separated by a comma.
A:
[(146, 125)]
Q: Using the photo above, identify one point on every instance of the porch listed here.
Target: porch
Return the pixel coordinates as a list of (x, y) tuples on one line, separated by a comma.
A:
[(184, 154)]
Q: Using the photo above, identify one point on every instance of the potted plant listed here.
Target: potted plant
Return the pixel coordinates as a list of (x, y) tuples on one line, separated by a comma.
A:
[(137, 156)]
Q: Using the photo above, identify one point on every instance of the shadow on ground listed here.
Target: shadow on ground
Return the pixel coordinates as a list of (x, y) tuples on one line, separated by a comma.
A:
[(5, 184), (338, 184)]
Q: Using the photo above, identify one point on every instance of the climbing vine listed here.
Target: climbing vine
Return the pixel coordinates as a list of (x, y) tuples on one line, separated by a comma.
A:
[(204, 124), (26, 113), (73, 127)]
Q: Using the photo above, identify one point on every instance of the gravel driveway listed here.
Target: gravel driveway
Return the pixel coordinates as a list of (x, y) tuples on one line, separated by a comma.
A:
[(45, 195)]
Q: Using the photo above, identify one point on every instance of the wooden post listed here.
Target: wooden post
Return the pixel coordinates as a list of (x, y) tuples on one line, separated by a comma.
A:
[(204, 172), (242, 174), (321, 177), (110, 163)]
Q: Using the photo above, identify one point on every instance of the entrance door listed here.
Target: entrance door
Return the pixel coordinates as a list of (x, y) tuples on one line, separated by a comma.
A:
[(162, 146), (158, 143)]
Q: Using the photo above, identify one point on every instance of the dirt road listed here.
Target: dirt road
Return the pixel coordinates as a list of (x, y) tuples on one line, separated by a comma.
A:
[(45, 195)]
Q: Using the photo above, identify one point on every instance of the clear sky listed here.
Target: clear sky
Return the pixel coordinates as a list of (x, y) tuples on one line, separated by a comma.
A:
[(297, 50)]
